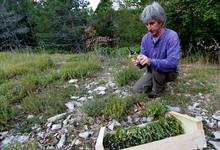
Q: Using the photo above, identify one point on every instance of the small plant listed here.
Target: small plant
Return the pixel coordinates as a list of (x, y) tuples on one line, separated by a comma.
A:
[(116, 106), (126, 75), (94, 107), (165, 127), (51, 136), (31, 146), (154, 108)]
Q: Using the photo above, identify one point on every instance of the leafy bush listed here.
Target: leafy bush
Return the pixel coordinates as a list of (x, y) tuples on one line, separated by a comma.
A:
[(94, 107), (126, 75), (49, 103), (113, 106), (154, 108), (79, 69), (116, 106)]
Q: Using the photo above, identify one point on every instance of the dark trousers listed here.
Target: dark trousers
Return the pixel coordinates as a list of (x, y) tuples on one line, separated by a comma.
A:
[(154, 82)]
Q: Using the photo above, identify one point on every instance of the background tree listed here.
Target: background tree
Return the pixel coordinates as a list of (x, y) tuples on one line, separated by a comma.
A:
[(58, 23), (191, 19), (104, 21), (12, 31)]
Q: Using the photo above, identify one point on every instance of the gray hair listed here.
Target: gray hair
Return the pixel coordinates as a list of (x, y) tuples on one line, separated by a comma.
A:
[(153, 11)]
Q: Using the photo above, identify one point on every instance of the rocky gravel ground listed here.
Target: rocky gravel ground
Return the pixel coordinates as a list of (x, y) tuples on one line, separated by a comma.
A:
[(75, 130)]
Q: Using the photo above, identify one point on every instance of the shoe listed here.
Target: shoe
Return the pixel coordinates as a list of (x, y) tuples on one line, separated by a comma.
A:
[(155, 95)]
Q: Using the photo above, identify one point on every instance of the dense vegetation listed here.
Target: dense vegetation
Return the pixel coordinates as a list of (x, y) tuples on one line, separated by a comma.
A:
[(72, 26)]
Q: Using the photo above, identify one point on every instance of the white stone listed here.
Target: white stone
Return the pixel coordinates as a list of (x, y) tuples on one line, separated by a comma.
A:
[(102, 93), (149, 119), (188, 83), (56, 126), (116, 92), (3, 134), (90, 92), (56, 117), (76, 86), (76, 142), (86, 134), (90, 97), (78, 104), (190, 108), (195, 105), (172, 93), (219, 124), (73, 80), (144, 119), (87, 86), (210, 124), (49, 124), (35, 126), (176, 109), (204, 110), (82, 99), (74, 97), (62, 141), (215, 144), (216, 134), (70, 105), (117, 124), (216, 117), (30, 117), (129, 120), (100, 89), (12, 140), (41, 134), (203, 113), (136, 119), (199, 117), (111, 126), (66, 120), (187, 95)]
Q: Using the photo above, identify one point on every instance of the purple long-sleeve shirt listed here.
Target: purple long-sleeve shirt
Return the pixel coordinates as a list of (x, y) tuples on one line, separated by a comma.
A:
[(164, 54)]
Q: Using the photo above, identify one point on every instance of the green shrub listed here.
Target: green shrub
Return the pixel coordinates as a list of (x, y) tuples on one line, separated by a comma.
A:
[(116, 106), (126, 75), (79, 69), (123, 52), (154, 108), (95, 107), (48, 102)]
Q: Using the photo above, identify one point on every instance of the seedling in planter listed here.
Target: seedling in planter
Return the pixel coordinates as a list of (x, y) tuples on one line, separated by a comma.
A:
[(165, 127)]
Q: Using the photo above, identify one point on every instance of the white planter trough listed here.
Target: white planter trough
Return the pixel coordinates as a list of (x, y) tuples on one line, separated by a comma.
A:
[(193, 137)]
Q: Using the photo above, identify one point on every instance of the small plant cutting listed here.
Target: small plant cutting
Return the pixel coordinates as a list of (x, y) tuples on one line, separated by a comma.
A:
[(165, 127), (132, 54)]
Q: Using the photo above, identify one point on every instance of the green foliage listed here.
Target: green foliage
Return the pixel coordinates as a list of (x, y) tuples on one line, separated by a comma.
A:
[(123, 52), (116, 106), (31, 146), (48, 102), (79, 69), (94, 107), (126, 75), (165, 127), (154, 108)]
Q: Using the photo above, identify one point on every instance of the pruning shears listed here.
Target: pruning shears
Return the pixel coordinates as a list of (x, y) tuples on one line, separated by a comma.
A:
[(132, 54)]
